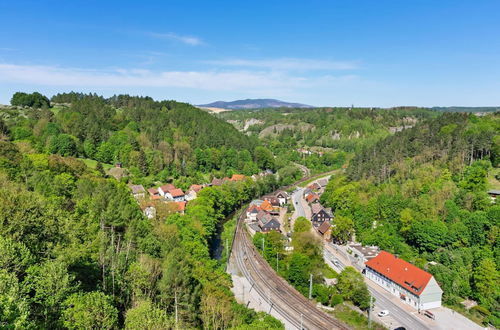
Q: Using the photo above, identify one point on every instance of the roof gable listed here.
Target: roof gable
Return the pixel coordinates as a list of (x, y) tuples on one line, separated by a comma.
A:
[(400, 271), (176, 192)]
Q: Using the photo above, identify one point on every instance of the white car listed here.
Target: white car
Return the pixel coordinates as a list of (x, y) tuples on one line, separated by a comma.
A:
[(383, 313)]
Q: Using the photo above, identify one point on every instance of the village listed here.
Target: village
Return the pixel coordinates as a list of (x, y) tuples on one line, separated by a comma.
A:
[(399, 287), (173, 199)]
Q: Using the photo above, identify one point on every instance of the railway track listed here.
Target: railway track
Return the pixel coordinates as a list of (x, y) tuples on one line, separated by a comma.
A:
[(281, 296)]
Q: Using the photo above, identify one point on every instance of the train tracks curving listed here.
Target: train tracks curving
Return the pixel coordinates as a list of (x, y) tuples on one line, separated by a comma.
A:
[(281, 296)]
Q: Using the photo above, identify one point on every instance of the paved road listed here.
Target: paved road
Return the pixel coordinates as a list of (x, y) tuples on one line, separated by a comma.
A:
[(297, 203), (400, 316)]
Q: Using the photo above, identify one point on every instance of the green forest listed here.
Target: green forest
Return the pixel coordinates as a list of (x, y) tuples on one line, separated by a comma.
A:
[(421, 194), (78, 253)]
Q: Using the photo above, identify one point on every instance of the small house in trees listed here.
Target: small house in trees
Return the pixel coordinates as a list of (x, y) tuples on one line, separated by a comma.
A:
[(494, 193), (314, 186), (322, 183), (138, 191), (176, 195), (217, 182), (237, 177), (181, 207), (411, 284), (154, 193), (192, 193), (165, 188)]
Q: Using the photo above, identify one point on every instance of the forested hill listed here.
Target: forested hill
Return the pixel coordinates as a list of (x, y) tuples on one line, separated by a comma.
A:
[(422, 194), (456, 138), (155, 140), (255, 104)]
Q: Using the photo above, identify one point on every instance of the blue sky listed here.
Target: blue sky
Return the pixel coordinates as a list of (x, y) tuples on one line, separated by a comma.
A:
[(367, 53)]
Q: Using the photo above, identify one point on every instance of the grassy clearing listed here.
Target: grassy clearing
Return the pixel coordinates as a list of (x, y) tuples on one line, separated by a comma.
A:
[(493, 183), (354, 319), (328, 272), (93, 163)]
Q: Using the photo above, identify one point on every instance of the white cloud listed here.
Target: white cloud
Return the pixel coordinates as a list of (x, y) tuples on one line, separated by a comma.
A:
[(206, 80), (288, 64), (188, 40)]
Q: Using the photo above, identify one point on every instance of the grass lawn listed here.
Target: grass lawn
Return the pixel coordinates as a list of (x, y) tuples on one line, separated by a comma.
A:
[(328, 272), (493, 183), (354, 319), (93, 163)]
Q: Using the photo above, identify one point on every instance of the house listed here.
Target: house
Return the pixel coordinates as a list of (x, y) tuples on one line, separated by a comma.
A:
[(237, 177), (217, 182), (266, 206), (273, 200), (314, 186), (154, 193), (176, 195), (325, 230), (494, 193), (252, 212), (181, 207), (193, 192), (322, 183), (165, 188), (138, 191), (148, 210), (411, 284), (267, 222), (320, 214), (363, 253), (282, 197), (307, 192), (312, 198)]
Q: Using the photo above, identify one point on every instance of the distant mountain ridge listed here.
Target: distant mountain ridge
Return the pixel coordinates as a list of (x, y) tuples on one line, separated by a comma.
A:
[(254, 104)]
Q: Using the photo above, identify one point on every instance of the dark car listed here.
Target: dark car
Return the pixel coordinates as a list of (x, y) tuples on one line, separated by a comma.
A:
[(400, 328)]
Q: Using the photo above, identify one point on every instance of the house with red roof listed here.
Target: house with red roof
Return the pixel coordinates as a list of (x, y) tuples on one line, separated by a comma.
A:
[(411, 284), (237, 177), (176, 195), (165, 188)]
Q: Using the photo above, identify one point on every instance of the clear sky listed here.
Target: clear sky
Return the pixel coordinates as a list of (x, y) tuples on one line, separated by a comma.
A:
[(366, 53)]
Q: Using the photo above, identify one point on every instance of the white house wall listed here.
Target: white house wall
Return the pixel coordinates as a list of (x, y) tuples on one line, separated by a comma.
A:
[(429, 298)]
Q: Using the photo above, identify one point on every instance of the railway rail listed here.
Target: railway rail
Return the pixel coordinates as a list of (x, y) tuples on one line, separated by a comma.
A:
[(290, 304)]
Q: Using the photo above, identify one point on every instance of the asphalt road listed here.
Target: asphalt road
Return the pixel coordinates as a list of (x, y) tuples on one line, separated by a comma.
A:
[(401, 316), (297, 198)]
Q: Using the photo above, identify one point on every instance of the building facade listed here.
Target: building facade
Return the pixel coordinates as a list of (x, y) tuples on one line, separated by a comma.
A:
[(411, 284)]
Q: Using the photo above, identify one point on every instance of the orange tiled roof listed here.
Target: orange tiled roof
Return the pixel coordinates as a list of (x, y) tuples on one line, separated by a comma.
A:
[(181, 206), (167, 187), (266, 206), (195, 187), (402, 272), (153, 191), (237, 177), (176, 192)]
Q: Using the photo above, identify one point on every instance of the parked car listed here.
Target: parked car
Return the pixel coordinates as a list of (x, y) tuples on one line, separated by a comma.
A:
[(400, 328), (383, 313)]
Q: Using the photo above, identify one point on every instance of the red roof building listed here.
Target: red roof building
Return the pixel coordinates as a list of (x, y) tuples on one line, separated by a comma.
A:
[(415, 286)]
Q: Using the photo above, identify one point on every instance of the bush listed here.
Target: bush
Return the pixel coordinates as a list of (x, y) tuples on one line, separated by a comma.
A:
[(336, 299)]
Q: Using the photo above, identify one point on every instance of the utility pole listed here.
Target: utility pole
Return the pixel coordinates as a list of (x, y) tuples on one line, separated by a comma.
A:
[(370, 313), (277, 264), (310, 285), (263, 246), (176, 312), (227, 250)]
